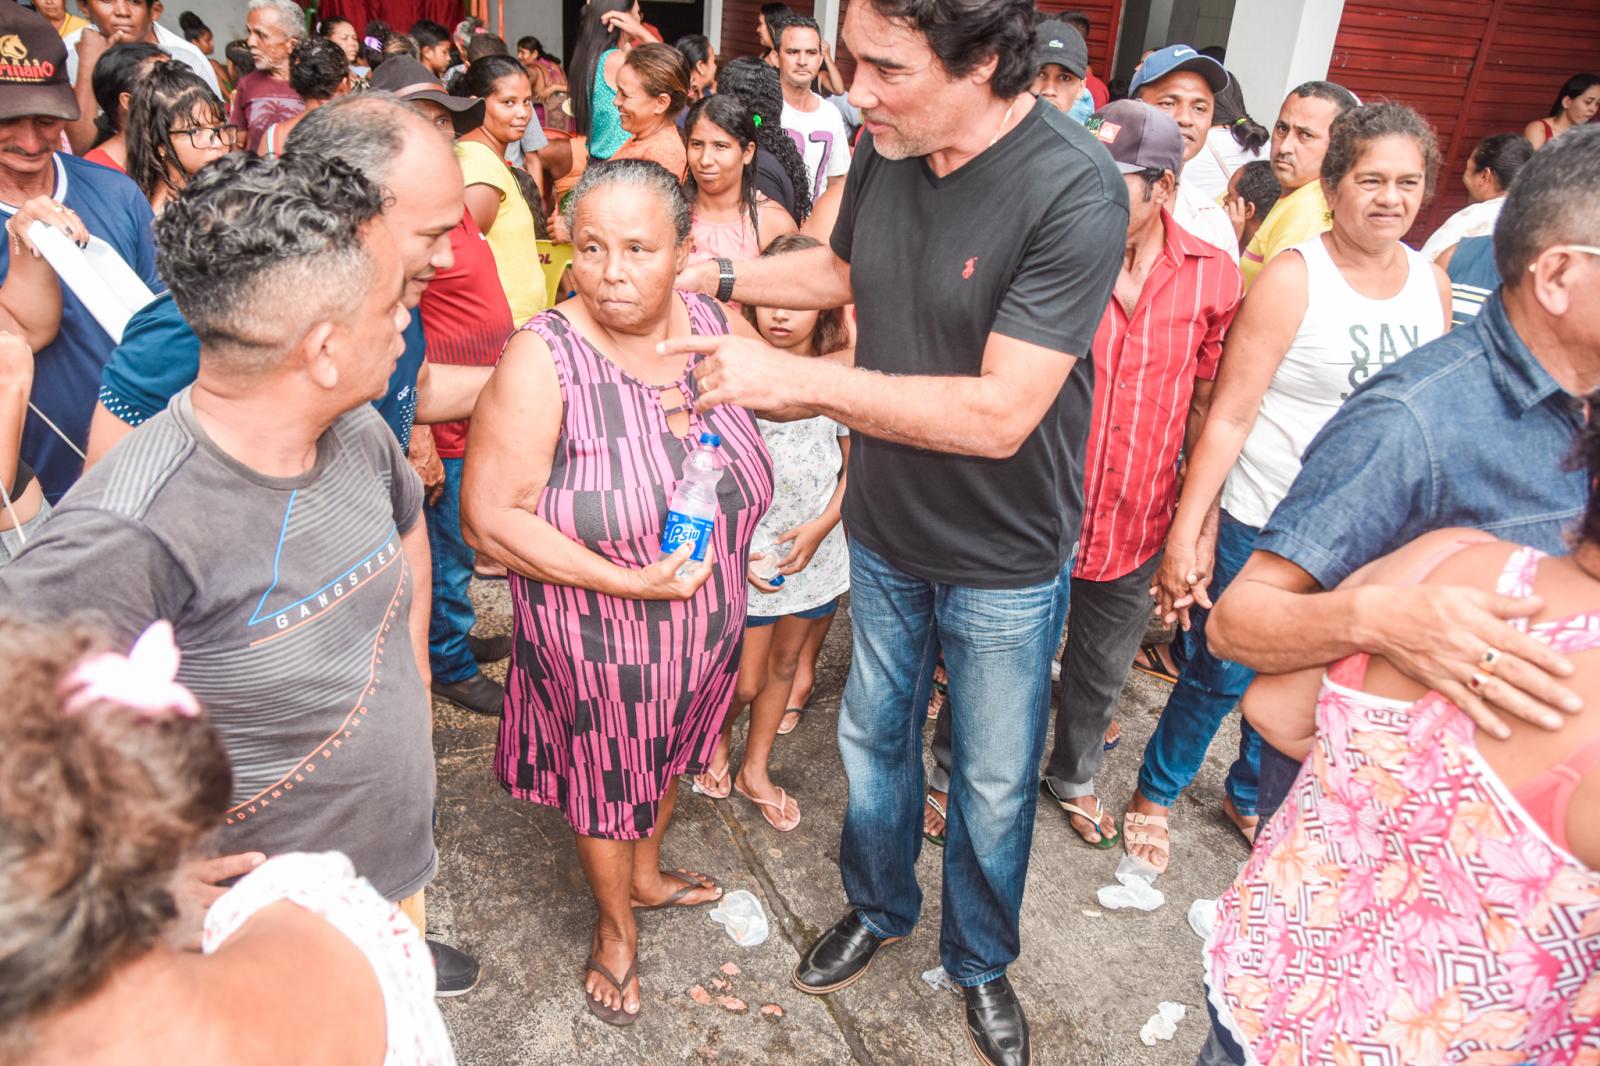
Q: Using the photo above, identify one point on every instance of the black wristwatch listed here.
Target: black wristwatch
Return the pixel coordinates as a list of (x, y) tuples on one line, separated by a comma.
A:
[(724, 280)]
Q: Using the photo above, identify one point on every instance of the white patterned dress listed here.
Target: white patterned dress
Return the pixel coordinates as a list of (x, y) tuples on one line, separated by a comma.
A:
[(806, 463)]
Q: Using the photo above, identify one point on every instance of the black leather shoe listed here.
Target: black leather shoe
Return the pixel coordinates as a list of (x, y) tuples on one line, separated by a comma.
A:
[(839, 957), (455, 972), (478, 694), (996, 1025), (489, 649)]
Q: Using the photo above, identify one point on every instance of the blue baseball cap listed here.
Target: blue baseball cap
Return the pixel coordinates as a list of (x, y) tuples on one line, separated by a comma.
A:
[(1176, 57)]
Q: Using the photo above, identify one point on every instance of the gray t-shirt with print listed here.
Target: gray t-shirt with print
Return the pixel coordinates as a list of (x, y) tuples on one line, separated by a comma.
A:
[(290, 598)]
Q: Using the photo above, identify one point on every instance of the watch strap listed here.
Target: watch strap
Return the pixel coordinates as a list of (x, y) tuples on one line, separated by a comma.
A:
[(724, 279)]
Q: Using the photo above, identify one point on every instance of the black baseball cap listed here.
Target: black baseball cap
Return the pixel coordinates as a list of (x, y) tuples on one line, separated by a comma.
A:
[(33, 67), (1056, 42), (410, 80), (1138, 136)]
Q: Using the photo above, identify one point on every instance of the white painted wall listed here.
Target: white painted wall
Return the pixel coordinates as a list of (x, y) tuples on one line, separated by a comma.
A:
[(541, 18), (1275, 45)]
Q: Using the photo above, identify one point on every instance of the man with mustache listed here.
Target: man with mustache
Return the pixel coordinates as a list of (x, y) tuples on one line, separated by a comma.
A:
[(1299, 141)]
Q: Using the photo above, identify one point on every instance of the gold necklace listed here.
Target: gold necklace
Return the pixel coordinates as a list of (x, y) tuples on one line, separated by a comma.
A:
[(1003, 120)]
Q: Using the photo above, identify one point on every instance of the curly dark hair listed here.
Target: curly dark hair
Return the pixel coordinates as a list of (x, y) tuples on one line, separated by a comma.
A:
[(758, 86), (831, 333), (317, 67), (120, 68), (168, 94), (1353, 130), (728, 113), (1258, 185), (98, 809), (964, 33), (257, 250)]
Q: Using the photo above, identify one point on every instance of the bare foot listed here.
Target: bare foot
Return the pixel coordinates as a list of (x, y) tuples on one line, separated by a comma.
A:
[(933, 823), (654, 887), (1247, 824), (1147, 853), (616, 952)]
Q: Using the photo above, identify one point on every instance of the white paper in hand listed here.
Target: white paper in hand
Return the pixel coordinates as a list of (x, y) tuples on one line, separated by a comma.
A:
[(97, 276)]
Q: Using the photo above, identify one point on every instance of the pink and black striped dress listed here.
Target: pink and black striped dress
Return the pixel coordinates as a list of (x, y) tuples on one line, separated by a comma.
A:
[(608, 699)]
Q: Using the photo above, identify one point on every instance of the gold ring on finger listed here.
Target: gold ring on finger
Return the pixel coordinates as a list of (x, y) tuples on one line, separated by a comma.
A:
[(1477, 681), (1490, 658)]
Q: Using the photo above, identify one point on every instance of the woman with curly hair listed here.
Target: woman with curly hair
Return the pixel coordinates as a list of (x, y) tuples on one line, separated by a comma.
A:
[(112, 781), (780, 169)]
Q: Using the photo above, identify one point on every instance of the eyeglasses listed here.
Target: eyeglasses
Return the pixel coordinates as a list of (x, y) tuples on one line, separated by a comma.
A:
[(1581, 249), (203, 137)]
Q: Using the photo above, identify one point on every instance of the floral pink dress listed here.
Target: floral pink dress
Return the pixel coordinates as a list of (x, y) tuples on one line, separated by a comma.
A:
[(1404, 908)]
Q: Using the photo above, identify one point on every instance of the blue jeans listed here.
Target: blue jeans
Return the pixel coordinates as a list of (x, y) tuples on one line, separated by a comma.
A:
[(998, 645), (1208, 690), (453, 616)]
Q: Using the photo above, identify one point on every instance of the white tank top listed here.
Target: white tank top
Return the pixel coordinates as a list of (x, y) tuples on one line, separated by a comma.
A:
[(1344, 339)]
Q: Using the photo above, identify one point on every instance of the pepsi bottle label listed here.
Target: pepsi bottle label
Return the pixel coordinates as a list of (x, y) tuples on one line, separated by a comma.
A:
[(683, 529)]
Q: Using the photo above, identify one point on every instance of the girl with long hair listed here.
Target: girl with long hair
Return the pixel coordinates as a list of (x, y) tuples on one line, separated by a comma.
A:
[(176, 125), (498, 205), (702, 57), (1575, 105), (780, 169), (118, 71), (731, 219), (799, 538), (604, 30)]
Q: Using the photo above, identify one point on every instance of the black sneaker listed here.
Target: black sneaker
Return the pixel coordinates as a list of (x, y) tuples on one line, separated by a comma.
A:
[(489, 649), (478, 694), (456, 973)]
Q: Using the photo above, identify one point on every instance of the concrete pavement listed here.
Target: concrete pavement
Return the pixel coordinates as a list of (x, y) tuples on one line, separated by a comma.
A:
[(509, 890)]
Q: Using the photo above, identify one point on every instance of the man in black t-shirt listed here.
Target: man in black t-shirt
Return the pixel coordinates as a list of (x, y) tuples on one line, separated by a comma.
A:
[(980, 235)]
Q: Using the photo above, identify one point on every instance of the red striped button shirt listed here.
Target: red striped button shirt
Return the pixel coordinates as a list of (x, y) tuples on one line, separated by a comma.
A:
[(1145, 367)]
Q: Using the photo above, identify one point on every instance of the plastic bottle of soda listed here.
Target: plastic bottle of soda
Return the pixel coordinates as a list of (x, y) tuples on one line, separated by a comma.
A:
[(692, 511)]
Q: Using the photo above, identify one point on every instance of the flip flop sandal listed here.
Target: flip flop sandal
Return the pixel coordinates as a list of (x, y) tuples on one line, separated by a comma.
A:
[(767, 807), (800, 715), (1230, 812), (1111, 745), (712, 784), (1106, 841), (938, 808), (610, 1015), (940, 693), (1133, 824), (693, 881), (1149, 662)]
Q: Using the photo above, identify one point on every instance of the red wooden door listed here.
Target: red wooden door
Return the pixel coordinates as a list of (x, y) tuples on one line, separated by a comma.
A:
[(1473, 67)]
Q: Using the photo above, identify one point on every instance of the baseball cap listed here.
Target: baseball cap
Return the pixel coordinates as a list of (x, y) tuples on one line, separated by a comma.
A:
[(410, 80), (1056, 42), (33, 67), (1176, 57), (1138, 136)]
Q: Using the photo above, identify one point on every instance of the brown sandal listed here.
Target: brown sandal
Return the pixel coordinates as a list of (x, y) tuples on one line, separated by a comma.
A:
[(611, 1015), (693, 880)]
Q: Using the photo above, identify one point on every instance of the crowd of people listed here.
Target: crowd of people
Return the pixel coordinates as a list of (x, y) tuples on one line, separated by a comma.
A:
[(1031, 372)]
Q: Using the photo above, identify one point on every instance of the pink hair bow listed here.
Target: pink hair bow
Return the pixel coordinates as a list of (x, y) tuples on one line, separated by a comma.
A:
[(144, 680)]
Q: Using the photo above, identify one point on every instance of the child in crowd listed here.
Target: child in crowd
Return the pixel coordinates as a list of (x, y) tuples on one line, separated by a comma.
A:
[(1252, 191), (801, 534)]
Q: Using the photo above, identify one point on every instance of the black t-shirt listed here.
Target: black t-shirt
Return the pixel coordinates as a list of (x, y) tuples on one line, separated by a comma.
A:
[(773, 182), (1024, 241)]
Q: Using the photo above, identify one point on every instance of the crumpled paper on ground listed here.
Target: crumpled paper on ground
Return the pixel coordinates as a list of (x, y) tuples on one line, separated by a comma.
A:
[(1135, 888), (937, 979), (1163, 1025), (1203, 917), (741, 915)]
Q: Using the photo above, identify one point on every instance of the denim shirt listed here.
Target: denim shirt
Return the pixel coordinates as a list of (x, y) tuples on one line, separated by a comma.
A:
[(1467, 431)]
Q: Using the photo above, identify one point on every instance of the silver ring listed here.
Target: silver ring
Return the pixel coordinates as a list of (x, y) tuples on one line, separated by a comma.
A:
[(1490, 658)]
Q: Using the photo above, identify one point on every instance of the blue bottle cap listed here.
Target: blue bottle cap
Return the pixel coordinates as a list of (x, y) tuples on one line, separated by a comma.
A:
[(711, 439), (777, 581)]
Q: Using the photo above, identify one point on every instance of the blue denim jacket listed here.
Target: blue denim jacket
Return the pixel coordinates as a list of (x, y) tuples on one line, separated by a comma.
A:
[(1468, 430)]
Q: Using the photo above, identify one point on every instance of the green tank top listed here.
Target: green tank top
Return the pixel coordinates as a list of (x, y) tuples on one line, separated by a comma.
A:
[(606, 134)]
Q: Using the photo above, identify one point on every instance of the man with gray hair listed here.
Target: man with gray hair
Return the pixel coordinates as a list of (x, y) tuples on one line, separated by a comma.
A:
[(1443, 438), (264, 96)]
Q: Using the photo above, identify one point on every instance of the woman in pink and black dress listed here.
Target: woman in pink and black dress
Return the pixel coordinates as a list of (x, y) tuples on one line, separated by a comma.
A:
[(622, 671)]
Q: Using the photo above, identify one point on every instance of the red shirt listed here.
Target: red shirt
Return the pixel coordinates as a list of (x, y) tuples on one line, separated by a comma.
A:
[(465, 318), (259, 101), (1145, 367), (98, 155), (1097, 91)]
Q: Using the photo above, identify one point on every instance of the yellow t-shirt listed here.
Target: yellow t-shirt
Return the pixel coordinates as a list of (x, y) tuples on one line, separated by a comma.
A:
[(512, 236), (71, 24), (1293, 220)]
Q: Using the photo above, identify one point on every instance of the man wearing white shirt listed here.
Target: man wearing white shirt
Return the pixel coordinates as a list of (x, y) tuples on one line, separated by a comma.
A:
[(817, 130), (1490, 169), (1184, 84)]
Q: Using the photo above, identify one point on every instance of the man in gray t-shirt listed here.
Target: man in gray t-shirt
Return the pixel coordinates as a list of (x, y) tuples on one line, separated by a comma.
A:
[(270, 515)]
